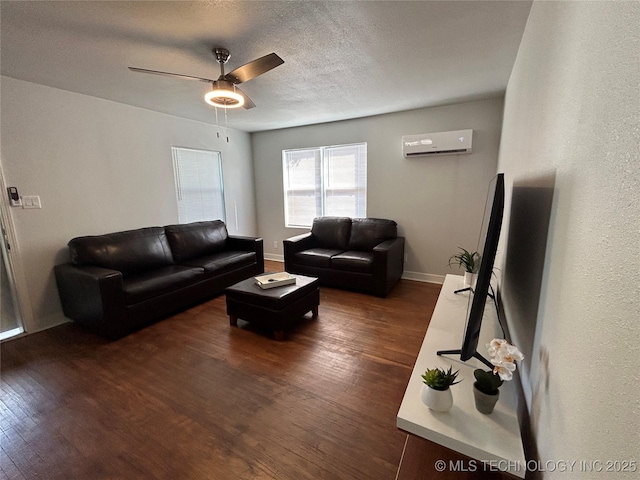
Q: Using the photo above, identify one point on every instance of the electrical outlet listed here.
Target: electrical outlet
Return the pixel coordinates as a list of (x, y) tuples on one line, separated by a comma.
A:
[(275, 244)]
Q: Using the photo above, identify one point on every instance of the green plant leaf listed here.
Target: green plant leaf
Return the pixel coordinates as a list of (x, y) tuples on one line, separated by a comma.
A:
[(470, 261), (439, 379), (487, 381)]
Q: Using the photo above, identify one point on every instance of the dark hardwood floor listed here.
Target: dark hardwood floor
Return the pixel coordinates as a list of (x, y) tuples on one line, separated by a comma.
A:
[(192, 398)]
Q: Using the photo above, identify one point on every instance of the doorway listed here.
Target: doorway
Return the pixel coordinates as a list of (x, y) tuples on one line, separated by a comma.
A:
[(11, 323)]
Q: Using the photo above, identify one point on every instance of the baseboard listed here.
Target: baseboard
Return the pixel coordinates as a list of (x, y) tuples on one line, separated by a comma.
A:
[(43, 323), (49, 321), (274, 258), (13, 333), (423, 277)]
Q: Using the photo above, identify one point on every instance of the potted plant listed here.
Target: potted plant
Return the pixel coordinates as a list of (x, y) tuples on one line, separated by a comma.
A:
[(470, 261), (436, 393), (486, 387)]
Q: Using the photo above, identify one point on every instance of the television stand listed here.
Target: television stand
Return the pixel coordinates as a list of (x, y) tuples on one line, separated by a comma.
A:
[(476, 355), (466, 289), (491, 438), (469, 289)]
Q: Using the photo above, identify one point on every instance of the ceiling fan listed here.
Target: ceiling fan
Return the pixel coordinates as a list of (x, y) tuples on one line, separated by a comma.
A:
[(224, 92)]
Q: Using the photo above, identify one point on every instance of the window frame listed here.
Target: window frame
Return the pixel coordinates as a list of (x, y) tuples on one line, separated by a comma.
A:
[(321, 182)]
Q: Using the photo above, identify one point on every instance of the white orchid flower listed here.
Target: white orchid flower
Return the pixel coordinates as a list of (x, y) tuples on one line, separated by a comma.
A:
[(504, 371), (509, 353), (503, 357), (495, 345)]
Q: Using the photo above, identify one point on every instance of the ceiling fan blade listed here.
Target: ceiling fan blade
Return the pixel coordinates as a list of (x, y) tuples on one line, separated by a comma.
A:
[(248, 103), (253, 69), (167, 74)]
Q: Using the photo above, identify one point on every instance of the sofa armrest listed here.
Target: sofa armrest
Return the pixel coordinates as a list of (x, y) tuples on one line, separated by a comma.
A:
[(238, 239), (249, 244), (389, 248), (299, 242), (93, 296), (296, 244), (388, 264)]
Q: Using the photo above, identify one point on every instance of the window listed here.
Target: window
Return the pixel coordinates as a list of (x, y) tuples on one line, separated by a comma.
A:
[(324, 181), (199, 187)]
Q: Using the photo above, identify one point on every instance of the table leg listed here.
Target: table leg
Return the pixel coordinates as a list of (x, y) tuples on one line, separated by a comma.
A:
[(279, 335), (233, 320), (314, 311)]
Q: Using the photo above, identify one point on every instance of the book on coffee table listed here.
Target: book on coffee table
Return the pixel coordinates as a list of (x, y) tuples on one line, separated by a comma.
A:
[(272, 280)]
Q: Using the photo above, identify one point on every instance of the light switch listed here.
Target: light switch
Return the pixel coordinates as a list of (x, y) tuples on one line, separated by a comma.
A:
[(31, 201)]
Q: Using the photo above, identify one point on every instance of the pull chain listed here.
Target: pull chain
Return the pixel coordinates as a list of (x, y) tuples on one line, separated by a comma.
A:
[(217, 125), (226, 122)]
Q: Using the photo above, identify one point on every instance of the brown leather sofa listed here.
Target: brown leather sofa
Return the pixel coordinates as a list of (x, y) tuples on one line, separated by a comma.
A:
[(362, 254), (119, 282)]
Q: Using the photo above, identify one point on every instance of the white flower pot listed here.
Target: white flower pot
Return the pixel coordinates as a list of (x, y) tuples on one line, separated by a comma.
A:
[(470, 279), (438, 400)]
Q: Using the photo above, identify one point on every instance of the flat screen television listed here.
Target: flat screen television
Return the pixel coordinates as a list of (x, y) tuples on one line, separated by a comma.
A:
[(488, 241)]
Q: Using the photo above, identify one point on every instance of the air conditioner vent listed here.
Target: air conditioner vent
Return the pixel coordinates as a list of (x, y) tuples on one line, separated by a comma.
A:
[(441, 143)]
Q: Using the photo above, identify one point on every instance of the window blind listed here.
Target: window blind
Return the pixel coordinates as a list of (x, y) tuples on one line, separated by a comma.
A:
[(199, 185), (324, 181)]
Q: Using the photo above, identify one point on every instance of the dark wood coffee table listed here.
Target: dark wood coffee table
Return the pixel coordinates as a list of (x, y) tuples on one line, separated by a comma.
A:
[(275, 308)]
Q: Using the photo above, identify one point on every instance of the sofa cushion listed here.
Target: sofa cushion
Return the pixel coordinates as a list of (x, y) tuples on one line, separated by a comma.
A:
[(129, 252), (222, 262), (353, 261), (192, 240), (366, 233), (156, 282), (332, 232), (316, 257)]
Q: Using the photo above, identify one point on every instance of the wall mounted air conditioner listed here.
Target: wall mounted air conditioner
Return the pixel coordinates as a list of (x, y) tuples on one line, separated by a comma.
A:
[(440, 143)]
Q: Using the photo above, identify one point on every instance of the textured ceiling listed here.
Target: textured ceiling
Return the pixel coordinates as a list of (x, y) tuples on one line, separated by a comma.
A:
[(343, 59)]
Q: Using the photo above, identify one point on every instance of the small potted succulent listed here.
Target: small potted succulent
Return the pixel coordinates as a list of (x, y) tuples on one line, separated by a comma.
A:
[(488, 382), (470, 261), (436, 393)]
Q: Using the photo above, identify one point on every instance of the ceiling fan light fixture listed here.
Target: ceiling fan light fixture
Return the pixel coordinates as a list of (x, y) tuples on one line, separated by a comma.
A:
[(224, 92), (224, 95)]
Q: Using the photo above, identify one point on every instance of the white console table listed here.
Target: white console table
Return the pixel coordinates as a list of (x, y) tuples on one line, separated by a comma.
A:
[(493, 438)]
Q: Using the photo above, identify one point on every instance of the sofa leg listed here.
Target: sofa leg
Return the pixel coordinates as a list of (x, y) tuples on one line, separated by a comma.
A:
[(314, 311), (233, 320), (278, 335)]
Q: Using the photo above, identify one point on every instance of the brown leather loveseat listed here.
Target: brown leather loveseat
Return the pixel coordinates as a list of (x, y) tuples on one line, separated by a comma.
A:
[(122, 281), (362, 254)]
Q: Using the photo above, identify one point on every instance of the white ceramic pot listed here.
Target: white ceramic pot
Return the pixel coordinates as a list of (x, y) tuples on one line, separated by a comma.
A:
[(438, 400), (470, 279)]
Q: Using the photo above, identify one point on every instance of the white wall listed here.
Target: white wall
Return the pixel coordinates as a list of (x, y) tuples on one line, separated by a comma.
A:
[(571, 123), (99, 167), (437, 201)]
